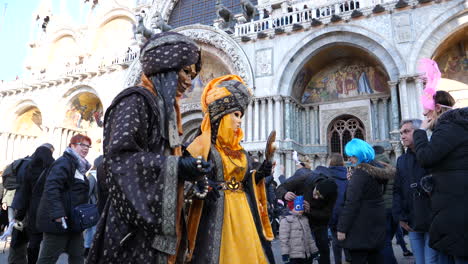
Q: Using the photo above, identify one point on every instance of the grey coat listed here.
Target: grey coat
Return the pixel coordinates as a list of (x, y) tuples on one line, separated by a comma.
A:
[(296, 238)]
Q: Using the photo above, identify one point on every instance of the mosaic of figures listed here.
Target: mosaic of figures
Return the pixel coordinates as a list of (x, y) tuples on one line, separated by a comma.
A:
[(212, 68), (453, 63), (84, 112), (342, 79)]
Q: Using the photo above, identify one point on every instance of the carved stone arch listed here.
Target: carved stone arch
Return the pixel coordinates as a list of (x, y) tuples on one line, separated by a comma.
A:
[(358, 37), (213, 41), (63, 32), (164, 7), (115, 13), (436, 33), (20, 108)]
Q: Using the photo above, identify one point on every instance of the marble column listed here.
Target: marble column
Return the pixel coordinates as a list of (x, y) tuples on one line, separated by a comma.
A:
[(375, 118), (308, 126), (278, 120), (403, 98), (256, 123), (296, 119), (397, 148), (419, 90), (250, 122), (270, 116), (317, 125), (287, 119), (395, 111), (288, 164), (304, 126), (263, 120), (386, 121), (323, 159)]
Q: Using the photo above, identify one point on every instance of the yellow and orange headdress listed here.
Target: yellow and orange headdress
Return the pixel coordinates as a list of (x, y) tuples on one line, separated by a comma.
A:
[(221, 96)]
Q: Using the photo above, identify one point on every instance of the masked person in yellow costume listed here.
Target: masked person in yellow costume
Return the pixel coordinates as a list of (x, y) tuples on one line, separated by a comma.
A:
[(231, 225)]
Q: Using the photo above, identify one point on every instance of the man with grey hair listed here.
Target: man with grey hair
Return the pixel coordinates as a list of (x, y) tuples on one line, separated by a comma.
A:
[(411, 204)]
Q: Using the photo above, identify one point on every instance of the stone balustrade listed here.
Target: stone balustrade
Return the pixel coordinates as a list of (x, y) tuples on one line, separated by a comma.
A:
[(14, 146), (320, 13), (82, 70)]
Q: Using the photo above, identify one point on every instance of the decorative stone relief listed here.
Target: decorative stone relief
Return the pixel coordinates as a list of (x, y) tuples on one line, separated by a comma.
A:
[(264, 62), (402, 27), (190, 107), (327, 116), (222, 41)]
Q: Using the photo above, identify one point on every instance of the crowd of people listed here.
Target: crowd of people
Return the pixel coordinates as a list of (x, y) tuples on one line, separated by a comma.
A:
[(152, 199)]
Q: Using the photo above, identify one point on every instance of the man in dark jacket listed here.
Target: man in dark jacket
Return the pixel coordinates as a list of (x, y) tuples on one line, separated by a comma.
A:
[(411, 204), (65, 188), (320, 193)]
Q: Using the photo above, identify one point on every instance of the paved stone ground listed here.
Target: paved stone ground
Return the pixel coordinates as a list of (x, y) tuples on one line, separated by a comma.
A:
[(276, 249)]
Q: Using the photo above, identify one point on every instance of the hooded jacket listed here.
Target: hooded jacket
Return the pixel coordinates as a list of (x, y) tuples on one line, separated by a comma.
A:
[(446, 157), (363, 216), (296, 238)]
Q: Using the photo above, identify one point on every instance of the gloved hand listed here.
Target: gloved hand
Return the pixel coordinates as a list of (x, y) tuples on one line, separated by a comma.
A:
[(264, 170), (189, 169), (213, 193), (285, 258)]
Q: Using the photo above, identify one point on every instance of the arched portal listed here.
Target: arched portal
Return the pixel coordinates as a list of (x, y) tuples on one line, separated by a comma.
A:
[(452, 58), (342, 130), (83, 114), (28, 121)]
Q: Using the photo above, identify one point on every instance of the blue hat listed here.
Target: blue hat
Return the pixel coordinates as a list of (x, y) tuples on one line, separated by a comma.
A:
[(361, 150)]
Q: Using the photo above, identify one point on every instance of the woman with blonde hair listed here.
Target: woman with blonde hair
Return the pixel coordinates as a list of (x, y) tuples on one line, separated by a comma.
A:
[(232, 224)]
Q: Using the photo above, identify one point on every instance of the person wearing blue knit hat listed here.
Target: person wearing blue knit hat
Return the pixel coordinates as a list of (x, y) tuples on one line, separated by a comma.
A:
[(361, 225)]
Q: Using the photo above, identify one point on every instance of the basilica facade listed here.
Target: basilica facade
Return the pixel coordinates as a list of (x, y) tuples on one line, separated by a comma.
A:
[(322, 72)]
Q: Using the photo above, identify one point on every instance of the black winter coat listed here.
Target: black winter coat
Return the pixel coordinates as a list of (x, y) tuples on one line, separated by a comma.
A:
[(446, 157), (303, 183), (62, 192), (363, 216), (411, 204)]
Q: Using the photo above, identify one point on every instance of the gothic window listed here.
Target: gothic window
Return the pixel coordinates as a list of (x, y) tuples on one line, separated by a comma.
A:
[(188, 12), (342, 130)]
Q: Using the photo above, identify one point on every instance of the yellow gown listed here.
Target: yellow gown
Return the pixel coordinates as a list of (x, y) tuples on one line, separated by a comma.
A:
[(240, 242)]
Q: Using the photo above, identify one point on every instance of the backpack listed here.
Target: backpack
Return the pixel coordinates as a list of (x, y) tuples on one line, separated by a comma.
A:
[(11, 179)]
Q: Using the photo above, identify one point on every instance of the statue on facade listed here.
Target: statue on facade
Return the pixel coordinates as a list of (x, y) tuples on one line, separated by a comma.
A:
[(248, 10), (157, 22), (141, 32), (225, 15)]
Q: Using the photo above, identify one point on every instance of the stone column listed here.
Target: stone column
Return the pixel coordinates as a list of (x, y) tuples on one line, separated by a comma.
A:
[(419, 90), (296, 122), (250, 122), (385, 119), (287, 118), (303, 126), (397, 148), (323, 158), (288, 165), (256, 123), (263, 120), (403, 98), (308, 126), (317, 125), (395, 111), (375, 118), (270, 116), (278, 118)]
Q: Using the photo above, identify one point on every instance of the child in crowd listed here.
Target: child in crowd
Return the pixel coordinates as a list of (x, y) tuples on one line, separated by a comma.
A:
[(297, 244)]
